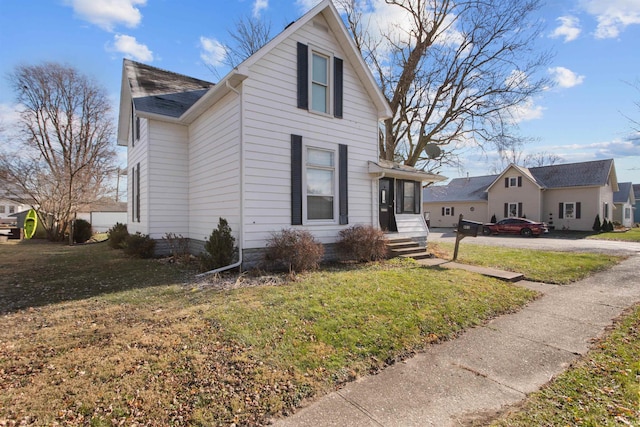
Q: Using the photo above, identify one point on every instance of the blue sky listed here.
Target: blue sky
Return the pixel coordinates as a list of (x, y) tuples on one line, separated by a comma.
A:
[(582, 117)]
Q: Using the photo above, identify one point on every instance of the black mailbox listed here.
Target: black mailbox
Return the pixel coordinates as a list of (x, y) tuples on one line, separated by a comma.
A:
[(469, 228)]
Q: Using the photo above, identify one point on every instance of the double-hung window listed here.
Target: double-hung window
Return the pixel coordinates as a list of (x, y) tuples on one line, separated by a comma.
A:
[(320, 81), (320, 184), (320, 99), (569, 210)]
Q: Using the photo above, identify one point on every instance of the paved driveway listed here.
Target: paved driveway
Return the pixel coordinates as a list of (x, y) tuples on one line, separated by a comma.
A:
[(551, 242)]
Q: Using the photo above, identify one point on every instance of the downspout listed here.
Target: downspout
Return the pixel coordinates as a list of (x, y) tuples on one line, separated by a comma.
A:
[(241, 231)]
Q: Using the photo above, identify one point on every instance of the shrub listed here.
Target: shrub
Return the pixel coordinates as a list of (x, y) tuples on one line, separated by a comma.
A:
[(117, 235), (610, 226), (220, 246), (178, 246), (81, 231), (139, 245), (494, 219), (295, 250), (362, 243), (597, 225)]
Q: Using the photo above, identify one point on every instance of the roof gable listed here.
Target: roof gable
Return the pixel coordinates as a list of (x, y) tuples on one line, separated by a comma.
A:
[(520, 170), (180, 98), (624, 194)]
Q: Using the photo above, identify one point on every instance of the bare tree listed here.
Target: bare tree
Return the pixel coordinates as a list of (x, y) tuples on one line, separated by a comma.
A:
[(453, 72), (635, 123), (66, 154), (249, 35)]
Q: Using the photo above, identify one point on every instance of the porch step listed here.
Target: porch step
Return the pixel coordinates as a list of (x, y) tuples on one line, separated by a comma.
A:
[(406, 248)]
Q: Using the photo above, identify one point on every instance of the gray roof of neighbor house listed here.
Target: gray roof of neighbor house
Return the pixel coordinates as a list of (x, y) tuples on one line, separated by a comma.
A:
[(163, 92), (585, 174), (622, 195), (636, 191), (460, 190)]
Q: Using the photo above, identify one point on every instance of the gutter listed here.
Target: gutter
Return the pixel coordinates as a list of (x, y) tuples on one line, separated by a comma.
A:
[(241, 231)]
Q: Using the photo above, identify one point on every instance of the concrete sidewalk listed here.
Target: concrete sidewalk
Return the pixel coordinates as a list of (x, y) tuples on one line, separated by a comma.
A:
[(487, 367)]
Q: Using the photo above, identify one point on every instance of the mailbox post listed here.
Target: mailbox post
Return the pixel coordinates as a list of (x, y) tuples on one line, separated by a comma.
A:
[(465, 228)]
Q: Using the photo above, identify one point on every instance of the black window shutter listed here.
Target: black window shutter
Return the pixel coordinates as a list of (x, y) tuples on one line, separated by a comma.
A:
[(578, 209), (133, 194), (506, 210), (399, 196), (561, 210), (519, 181), (453, 211), (138, 192), (506, 183), (416, 197), (296, 180), (443, 211), (337, 87), (343, 184), (303, 76), (520, 210)]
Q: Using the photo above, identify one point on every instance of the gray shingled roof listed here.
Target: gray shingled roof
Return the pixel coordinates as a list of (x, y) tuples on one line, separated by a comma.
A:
[(460, 190), (636, 191), (585, 174), (622, 195), (163, 92)]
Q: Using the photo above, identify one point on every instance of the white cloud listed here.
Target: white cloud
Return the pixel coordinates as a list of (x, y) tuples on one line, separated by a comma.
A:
[(213, 52), (108, 13), (613, 16), (569, 28), (306, 5), (259, 6), (565, 78), (130, 47), (526, 111)]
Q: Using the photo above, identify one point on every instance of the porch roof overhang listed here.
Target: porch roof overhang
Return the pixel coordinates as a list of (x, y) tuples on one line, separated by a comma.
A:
[(388, 169)]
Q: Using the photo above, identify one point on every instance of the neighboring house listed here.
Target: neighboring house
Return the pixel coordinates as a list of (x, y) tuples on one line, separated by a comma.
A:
[(443, 204), (288, 139), (624, 200), (8, 207), (636, 196), (567, 196), (104, 215)]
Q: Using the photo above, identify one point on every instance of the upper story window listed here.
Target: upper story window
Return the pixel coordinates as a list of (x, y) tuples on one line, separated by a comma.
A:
[(12, 209), (513, 182), (2, 209), (320, 83)]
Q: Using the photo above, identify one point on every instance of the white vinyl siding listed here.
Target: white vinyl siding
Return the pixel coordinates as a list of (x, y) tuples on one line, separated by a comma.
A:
[(214, 169), (139, 155), (168, 179), (271, 116)]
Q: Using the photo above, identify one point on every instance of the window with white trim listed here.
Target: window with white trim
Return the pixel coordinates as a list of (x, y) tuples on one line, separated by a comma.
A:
[(12, 209), (2, 209), (447, 211), (569, 210), (513, 210), (320, 184), (627, 213), (320, 83)]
